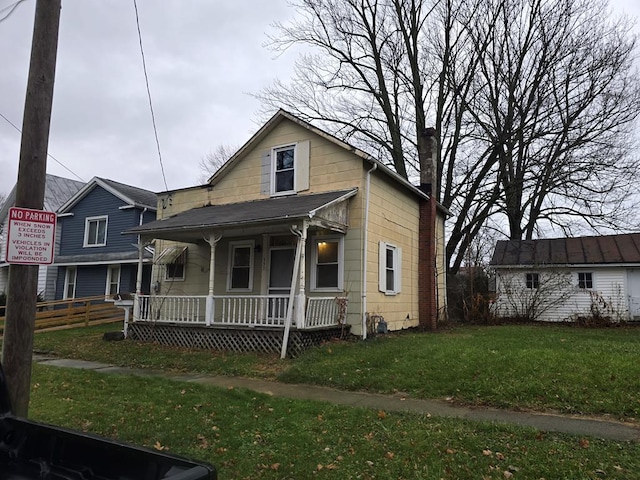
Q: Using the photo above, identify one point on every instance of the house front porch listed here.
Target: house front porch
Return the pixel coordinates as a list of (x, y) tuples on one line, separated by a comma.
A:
[(248, 276), (237, 323)]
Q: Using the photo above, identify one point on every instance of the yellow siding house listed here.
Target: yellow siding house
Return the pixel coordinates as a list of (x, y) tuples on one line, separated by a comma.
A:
[(297, 238)]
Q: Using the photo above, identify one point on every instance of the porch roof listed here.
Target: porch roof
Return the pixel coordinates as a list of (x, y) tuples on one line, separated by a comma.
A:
[(255, 212)]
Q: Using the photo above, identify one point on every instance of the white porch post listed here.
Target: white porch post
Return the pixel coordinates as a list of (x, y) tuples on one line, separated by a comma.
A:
[(212, 240), (302, 235), (301, 296), (136, 299)]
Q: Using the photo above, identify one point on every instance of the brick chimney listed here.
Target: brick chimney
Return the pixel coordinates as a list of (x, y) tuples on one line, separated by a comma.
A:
[(427, 155)]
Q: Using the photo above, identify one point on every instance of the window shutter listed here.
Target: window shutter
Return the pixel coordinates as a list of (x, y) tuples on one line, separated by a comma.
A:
[(265, 174), (382, 266), (302, 166)]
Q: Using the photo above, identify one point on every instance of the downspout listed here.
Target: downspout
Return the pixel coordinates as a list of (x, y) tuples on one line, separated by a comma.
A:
[(365, 238)]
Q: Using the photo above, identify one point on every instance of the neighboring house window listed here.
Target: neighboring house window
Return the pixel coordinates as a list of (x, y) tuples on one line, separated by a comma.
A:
[(240, 266), (389, 263), (95, 232), (113, 280), (585, 280), (283, 169), (327, 258), (533, 280), (70, 283)]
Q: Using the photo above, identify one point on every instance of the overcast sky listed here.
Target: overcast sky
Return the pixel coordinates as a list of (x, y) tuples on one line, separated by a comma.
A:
[(203, 59)]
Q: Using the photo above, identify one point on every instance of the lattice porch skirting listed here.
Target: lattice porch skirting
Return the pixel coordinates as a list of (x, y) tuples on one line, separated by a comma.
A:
[(257, 339)]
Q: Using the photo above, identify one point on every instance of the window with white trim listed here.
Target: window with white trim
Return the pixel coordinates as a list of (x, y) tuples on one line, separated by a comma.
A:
[(327, 259), (113, 281), (532, 280), (95, 231), (240, 275), (175, 269), (585, 280), (70, 278), (389, 267), (283, 170)]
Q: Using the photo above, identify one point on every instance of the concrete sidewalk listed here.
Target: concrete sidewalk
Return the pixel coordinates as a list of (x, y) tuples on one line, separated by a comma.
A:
[(599, 428)]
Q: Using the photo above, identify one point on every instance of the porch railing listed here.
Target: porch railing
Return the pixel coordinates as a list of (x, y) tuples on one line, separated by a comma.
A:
[(250, 310), (240, 310), (178, 309), (325, 312)]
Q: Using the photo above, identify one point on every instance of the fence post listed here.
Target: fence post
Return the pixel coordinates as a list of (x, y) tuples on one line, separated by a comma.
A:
[(87, 307)]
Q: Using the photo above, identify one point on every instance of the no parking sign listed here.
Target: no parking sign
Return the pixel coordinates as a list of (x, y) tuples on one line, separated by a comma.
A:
[(30, 236)]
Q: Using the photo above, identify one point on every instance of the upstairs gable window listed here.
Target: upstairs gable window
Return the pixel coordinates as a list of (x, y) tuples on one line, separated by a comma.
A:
[(284, 169), (95, 231)]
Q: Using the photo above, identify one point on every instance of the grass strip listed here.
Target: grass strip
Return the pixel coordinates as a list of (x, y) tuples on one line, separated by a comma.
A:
[(248, 435)]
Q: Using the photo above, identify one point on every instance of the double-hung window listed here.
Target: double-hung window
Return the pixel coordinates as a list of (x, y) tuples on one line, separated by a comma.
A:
[(585, 280), (240, 266), (389, 268), (113, 281), (175, 269), (174, 259), (328, 260), (283, 169), (532, 280), (95, 231), (70, 278)]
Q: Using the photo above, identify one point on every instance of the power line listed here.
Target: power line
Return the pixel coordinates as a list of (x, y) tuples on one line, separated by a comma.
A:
[(146, 79), (11, 9), (48, 154)]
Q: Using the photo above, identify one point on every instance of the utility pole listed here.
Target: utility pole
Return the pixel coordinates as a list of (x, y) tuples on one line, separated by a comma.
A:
[(17, 345)]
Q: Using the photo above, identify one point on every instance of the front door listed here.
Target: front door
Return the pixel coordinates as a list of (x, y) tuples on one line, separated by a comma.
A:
[(281, 260)]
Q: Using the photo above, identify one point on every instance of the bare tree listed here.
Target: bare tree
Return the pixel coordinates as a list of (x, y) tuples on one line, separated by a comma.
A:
[(534, 101), (214, 160), (555, 99)]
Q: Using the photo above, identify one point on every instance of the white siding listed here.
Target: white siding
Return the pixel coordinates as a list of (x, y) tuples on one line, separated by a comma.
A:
[(3, 240), (558, 298), (4, 277)]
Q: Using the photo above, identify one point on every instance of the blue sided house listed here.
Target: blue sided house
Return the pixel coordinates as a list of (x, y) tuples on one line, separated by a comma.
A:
[(95, 258)]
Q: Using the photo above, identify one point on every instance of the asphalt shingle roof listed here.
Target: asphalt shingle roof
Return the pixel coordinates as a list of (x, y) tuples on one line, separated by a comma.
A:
[(243, 213), (624, 248), (140, 196)]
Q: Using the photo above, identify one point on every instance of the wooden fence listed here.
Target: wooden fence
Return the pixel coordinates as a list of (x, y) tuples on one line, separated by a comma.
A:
[(77, 312)]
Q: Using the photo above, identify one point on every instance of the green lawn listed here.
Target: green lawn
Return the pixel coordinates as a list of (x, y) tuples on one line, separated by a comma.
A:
[(254, 436), (558, 368)]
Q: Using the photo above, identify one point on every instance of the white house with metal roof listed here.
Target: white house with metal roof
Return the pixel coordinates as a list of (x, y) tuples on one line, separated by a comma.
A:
[(592, 278)]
